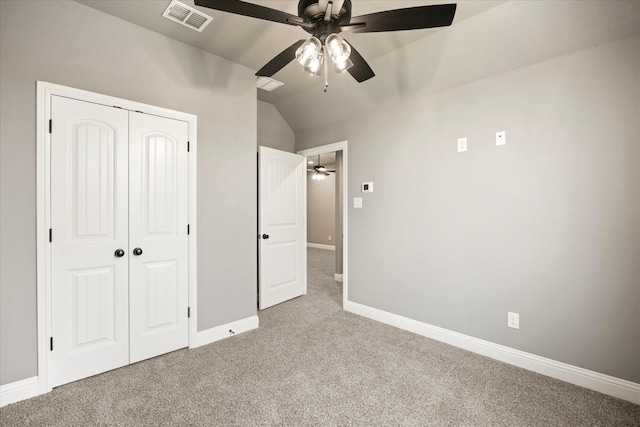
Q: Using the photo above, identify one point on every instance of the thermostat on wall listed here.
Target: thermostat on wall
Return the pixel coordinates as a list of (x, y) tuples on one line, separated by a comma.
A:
[(367, 187)]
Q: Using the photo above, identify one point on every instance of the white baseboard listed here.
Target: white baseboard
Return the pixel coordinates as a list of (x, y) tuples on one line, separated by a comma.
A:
[(19, 390), (319, 246), (596, 381), (337, 277), (220, 332)]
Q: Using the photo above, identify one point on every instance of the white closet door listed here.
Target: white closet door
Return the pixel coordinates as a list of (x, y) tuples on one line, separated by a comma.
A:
[(89, 281), (158, 238)]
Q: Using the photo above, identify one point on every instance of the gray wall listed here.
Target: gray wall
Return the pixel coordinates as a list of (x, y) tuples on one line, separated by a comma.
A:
[(547, 226), (321, 207), (68, 43), (273, 130)]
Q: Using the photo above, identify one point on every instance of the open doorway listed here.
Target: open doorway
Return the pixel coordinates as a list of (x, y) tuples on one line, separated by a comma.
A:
[(326, 204)]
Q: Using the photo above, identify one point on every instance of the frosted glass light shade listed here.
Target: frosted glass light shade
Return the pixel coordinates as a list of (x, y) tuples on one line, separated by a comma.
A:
[(338, 49), (309, 52)]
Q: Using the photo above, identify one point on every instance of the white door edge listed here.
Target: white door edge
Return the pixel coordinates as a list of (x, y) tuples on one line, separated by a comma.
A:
[(44, 92), (330, 148)]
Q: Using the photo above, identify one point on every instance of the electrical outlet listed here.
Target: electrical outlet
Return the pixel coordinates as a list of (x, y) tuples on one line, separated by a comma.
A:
[(329, 237), (513, 320), (462, 144), (357, 202)]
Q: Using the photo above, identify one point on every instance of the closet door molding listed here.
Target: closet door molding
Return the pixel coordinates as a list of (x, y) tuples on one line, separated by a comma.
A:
[(45, 92)]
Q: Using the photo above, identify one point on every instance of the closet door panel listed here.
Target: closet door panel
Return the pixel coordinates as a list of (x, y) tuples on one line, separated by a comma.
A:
[(89, 204), (158, 230)]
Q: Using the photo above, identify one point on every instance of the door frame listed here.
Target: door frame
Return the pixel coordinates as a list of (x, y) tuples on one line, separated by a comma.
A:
[(45, 91), (330, 148)]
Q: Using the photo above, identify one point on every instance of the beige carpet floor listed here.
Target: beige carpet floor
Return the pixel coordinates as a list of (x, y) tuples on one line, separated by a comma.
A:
[(312, 364)]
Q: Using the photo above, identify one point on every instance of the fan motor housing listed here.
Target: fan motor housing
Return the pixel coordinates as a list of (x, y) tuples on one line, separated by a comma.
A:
[(309, 11)]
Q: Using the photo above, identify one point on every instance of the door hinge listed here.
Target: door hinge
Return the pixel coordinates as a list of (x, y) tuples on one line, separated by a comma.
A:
[(50, 125), (50, 235), (188, 229), (188, 311), (51, 343), (188, 146)]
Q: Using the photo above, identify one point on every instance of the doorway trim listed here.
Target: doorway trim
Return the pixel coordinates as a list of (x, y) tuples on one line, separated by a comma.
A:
[(330, 148), (44, 92)]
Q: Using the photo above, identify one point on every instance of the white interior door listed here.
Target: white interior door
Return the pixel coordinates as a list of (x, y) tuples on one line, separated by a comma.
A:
[(282, 227), (158, 240), (89, 224)]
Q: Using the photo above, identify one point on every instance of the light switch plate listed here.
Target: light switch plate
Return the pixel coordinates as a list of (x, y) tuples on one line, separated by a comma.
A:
[(367, 187), (501, 138), (357, 202), (462, 145)]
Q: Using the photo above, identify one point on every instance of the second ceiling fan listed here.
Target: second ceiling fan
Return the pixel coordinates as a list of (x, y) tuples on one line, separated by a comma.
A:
[(324, 20), (320, 171)]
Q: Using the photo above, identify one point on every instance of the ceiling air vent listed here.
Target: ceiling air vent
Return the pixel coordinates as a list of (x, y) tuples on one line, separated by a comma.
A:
[(186, 15), (265, 83)]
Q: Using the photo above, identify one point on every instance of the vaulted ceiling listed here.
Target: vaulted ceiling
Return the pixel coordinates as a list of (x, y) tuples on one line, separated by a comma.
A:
[(487, 37)]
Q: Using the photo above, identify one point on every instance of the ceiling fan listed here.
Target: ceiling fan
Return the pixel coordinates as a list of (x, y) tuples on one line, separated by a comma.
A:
[(324, 20), (320, 171)]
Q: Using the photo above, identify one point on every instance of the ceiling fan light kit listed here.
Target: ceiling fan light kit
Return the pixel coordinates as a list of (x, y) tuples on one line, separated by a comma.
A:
[(312, 56), (324, 19)]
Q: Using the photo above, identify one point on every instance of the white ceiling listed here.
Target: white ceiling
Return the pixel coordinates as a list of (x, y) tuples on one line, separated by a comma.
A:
[(486, 38)]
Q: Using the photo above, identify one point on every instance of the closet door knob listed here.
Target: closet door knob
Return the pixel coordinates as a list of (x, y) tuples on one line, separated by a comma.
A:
[(265, 236), (119, 253), (137, 251)]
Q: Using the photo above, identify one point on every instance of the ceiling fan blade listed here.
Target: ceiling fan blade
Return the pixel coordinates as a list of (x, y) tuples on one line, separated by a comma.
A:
[(361, 71), (350, 27), (252, 10), (411, 18), (282, 59)]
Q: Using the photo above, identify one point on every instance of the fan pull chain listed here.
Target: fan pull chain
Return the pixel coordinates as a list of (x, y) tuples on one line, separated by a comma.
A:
[(325, 71)]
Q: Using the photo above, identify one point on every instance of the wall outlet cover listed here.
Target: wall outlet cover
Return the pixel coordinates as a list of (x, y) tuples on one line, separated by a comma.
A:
[(513, 320), (357, 202), (501, 138)]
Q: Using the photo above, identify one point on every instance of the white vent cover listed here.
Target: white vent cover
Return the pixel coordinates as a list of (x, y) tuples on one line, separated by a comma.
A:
[(265, 83), (186, 15)]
